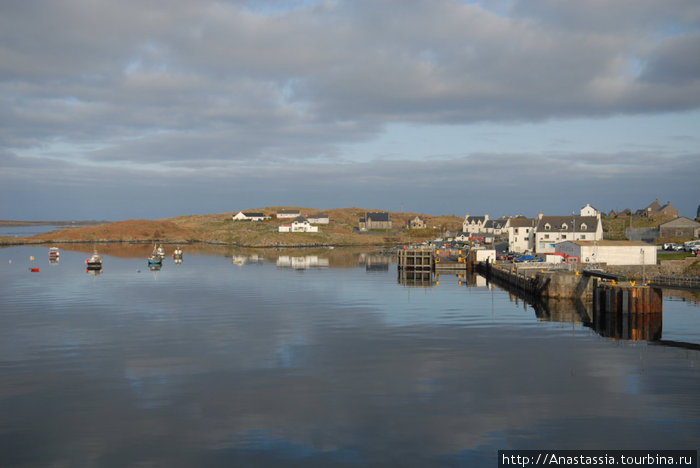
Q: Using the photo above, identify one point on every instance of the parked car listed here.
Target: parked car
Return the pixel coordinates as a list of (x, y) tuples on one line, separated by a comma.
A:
[(690, 246), (524, 258)]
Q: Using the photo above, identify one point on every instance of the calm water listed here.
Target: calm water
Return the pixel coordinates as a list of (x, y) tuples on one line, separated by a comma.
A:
[(27, 231), (233, 360)]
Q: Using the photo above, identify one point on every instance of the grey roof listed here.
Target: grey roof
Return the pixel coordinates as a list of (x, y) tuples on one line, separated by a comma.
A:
[(378, 216), (288, 211), (495, 224), (250, 214), (653, 206), (681, 221), (523, 222), (300, 219), (476, 219), (567, 223)]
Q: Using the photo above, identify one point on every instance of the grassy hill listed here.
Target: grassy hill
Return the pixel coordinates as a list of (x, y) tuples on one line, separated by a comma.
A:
[(221, 229)]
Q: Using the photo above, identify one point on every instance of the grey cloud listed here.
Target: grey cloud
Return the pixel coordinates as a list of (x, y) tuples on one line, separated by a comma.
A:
[(674, 62), (221, 89), (500, 184)]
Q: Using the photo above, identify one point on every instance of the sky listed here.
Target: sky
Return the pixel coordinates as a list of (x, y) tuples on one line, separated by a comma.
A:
[(152, 109)]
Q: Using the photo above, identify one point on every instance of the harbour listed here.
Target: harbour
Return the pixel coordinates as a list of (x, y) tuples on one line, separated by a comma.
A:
[(339, 362)]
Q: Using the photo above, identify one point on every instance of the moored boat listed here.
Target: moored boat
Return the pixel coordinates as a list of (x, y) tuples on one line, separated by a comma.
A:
[(177, 255), (94, 262), (155, 258), (54, 252)]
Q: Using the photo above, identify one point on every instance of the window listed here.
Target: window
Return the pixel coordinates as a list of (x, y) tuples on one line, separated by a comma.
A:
[(583, 227), (563, 236), (546, 236), (547, 227), (564, 226)]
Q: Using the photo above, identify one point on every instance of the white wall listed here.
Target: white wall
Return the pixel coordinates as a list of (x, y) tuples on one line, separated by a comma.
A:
[(621, 254)]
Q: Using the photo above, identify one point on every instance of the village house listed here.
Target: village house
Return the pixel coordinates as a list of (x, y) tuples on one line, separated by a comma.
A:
[(521, 234), (288, 214), (588, 210), (654, 209), (475, 225), (249, 216), (318, 218), (416, 223), (300, 224), (550, 230), (680, 227), (376, 220)]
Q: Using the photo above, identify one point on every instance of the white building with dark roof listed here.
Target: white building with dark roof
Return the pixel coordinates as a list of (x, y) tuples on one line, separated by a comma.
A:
[(300, 224), (249, 216), (318, 218), (550, 230), (288, 214)]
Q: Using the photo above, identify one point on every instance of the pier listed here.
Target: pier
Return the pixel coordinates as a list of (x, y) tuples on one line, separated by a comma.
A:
[(417, 266), (609, 294)]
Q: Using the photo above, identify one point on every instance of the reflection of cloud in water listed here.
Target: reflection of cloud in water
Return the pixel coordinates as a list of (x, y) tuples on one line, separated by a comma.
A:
[(258, 366)]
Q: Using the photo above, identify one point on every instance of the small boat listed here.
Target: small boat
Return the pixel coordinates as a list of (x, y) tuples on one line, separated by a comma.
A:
[(94, 262), (155, 258), (160, 251), (177, 255), (54, 255)]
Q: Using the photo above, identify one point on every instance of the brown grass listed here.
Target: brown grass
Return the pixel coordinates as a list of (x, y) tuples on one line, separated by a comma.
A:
[(220, 228)]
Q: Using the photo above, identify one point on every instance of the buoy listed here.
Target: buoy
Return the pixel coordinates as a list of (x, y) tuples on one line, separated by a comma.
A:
[(31, 257), (34, 270)]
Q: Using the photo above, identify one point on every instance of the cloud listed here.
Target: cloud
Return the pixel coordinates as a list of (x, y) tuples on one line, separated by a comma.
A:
[(227, 86)]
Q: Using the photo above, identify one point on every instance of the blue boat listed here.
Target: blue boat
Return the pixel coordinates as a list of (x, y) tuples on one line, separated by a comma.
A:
[(155, 258)]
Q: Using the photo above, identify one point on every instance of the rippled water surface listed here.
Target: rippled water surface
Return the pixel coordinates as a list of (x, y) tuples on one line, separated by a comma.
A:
[(316, 358)]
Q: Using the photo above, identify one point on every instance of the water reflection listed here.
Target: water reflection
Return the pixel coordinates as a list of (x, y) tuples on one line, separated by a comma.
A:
[(210, 366), (632, 327), (302, 262), (376, 262)]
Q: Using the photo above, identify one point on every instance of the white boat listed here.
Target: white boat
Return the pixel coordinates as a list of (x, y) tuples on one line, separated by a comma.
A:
[(94, 262)]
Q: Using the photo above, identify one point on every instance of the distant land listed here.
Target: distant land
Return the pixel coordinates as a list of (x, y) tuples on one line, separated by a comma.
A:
[(221, 229), (10, 223)]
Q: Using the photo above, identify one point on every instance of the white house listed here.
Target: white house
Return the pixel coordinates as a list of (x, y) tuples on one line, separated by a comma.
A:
[(550, 230), (300, 224), (521, 234), (610, 252), (249, 216), (288, 214), (588, 210), (318, 218), (482, 225)]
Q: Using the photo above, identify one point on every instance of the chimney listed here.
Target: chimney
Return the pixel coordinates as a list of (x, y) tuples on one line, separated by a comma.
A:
[(539, 216)]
